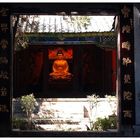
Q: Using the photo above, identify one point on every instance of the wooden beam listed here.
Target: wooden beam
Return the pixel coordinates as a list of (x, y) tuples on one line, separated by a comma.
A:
[(67, 8)]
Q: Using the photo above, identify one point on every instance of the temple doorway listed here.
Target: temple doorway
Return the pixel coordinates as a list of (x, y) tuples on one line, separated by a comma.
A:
[(71, 75)]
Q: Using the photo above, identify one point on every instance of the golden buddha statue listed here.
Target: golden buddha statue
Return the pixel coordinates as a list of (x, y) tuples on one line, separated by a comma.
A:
[(60, 68)]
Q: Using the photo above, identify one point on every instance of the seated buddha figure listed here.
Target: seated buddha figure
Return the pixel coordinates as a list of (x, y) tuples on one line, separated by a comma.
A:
[(60, 68)]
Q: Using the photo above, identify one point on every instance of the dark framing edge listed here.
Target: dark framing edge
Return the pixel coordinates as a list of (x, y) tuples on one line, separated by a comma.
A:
[(28, 8)]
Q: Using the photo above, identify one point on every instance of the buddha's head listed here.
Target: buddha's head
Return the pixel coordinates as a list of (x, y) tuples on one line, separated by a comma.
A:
[(60, 55)]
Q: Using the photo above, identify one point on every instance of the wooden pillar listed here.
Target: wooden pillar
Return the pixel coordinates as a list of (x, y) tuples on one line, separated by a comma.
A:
[(5, 69), (114, 67), (127, 86)]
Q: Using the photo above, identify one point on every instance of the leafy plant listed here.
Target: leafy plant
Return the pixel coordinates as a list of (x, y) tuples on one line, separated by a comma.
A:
[(103, 124), (28, 103), (110, 99), (93, 100), (19, 123)]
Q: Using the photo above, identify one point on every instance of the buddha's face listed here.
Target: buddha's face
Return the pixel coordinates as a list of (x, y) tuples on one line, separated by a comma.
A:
[(60, 56)]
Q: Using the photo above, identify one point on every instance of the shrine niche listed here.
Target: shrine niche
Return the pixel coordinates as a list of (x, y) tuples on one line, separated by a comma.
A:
[(67, 69)]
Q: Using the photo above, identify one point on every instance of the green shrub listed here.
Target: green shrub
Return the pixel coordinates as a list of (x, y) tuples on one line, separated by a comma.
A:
[(103, 124), (28, 103), (19, 123)]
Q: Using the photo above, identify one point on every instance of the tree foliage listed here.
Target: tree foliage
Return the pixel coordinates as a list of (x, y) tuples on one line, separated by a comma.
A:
[(78, 22), (28, 103)]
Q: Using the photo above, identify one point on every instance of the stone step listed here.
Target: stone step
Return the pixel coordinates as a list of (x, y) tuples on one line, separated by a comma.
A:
[(56, 121), (61, 127)]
